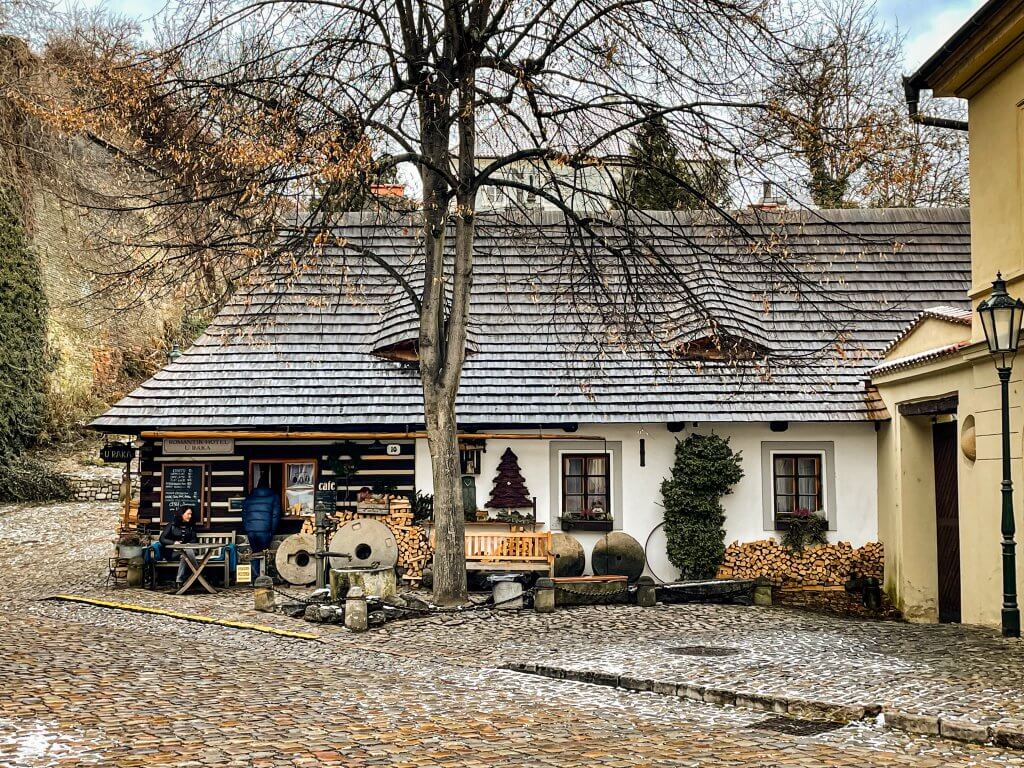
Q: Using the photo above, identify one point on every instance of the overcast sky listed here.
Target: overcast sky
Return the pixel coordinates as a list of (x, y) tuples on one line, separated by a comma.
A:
[(926, 23)]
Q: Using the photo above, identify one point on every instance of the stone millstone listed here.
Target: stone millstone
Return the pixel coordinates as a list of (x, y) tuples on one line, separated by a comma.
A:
[(368, 544), (296, 559), (570, 560), (618, 554)]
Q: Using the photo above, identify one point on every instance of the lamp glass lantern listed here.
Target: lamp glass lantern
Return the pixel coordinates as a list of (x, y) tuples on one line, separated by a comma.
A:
[(1001, 317)]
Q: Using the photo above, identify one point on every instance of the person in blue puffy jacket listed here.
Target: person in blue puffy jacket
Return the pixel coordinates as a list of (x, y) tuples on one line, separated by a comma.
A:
[(261, 512)]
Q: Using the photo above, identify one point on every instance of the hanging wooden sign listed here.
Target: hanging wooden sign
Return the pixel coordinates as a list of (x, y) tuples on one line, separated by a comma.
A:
[(117, 453)]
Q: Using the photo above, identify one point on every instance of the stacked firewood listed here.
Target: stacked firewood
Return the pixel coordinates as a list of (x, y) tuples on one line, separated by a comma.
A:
[(820, 565), (414, 551)]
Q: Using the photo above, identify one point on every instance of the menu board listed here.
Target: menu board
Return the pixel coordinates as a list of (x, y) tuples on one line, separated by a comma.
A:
[(326, 499), (183, 486)]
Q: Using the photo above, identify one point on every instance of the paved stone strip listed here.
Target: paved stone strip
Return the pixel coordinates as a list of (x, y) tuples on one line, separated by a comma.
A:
[(1007, 734)]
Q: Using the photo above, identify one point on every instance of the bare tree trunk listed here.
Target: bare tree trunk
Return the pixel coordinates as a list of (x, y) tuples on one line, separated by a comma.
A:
[(440, 361), (449, 520)]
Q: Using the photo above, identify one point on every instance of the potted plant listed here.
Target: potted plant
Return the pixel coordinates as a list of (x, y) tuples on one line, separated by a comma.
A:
[(130, 544), (802, 529), (597, 518)]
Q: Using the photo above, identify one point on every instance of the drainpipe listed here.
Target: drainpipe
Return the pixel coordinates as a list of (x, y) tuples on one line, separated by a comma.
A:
[(913, 96)]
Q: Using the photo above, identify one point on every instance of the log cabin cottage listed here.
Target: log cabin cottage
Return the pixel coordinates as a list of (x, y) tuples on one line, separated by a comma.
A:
[(315, 378)]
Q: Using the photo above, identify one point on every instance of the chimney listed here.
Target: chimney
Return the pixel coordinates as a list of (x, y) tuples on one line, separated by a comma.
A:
[(388, 190), (770, 201)]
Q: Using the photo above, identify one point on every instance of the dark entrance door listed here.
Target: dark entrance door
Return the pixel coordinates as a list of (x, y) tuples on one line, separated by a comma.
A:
[(947, 518)]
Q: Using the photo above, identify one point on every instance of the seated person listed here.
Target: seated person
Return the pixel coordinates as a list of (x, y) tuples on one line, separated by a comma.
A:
[(181, 530)]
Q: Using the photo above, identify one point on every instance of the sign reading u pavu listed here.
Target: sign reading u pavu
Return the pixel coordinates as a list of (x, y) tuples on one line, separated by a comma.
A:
[(198, 446)]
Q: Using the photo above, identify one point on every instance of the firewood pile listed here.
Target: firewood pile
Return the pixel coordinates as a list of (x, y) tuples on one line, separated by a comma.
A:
[(414, 550), (821, 565)]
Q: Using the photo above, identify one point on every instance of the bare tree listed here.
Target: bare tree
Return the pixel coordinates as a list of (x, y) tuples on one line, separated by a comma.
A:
[(251, 108), (919, 165), (835, 108)]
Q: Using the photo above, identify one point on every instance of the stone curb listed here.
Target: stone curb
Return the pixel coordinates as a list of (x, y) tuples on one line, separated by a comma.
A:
[(1005, 734)]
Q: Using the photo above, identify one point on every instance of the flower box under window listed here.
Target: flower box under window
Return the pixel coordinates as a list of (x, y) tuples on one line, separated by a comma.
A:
[(577, 523)]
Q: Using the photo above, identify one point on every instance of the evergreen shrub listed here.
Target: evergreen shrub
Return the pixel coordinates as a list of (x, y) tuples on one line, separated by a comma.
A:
[(25, 362), (26, 479), (705, 470)]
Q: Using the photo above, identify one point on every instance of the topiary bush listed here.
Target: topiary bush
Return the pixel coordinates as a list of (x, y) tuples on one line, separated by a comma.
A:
[(705, 470), (26, 479)]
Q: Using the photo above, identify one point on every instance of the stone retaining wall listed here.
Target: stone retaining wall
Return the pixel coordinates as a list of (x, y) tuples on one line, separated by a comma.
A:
[(95, 488)]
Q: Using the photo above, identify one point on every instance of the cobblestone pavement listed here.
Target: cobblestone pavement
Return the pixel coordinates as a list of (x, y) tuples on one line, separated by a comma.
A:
[(83, 686)]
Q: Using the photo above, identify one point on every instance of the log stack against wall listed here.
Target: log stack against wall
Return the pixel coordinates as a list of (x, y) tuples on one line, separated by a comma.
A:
[(816, 578), (414, 551), (817, 566)]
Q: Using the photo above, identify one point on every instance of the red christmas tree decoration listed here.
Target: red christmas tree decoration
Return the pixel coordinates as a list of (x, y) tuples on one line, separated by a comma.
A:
[(509, 490)]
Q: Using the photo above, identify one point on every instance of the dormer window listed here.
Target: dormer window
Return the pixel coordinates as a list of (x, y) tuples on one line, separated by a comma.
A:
[(719, 347), (406, 351), (398, 340)]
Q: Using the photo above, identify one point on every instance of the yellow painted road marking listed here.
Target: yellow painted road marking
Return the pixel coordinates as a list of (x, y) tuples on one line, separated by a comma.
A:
[(184, 616)]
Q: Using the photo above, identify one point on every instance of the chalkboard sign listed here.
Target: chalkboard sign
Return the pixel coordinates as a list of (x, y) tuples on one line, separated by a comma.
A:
[(325, 499), (183, 486)]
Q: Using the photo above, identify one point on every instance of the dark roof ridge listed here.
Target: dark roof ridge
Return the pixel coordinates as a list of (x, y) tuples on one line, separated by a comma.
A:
[(823, 216)]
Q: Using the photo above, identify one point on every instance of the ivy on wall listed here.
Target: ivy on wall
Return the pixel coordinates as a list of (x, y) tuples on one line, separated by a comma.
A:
[(26, 362), (705, 470)]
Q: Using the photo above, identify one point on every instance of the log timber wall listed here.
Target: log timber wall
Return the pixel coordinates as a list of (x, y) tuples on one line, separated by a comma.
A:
[(229, 475)]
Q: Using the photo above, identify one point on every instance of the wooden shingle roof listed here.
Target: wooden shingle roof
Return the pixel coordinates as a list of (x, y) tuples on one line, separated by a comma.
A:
[(301, 356)]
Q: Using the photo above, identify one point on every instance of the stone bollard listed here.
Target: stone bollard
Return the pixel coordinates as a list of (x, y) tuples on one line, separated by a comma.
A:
[(507, 592), (135, 570), (356, 618), (263, 593), (762, 592), (544, 598), (646, 596)]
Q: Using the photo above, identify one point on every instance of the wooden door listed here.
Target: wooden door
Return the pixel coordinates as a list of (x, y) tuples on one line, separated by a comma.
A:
[(947, 519)]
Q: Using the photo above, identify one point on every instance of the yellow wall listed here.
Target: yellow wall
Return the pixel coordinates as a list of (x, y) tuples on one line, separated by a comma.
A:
[(907, 496), (930, 333), (997, 199)]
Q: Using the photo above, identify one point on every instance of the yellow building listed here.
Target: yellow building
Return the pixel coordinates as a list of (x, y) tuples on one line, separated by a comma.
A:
[(940, 453)]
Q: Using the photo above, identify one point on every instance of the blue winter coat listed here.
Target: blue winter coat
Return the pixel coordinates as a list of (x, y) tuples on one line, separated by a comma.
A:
[(261, 512)]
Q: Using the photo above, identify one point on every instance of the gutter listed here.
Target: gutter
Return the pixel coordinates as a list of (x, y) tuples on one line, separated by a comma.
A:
[(912, 92)]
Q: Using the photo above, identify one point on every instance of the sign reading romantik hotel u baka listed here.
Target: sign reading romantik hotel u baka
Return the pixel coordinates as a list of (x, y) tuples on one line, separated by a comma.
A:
[(201, 446)]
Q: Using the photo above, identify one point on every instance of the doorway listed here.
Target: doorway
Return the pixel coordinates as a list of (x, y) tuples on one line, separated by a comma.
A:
[(947, 519)]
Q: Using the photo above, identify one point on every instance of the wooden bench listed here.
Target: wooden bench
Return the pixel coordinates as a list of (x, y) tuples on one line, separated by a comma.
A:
[(508, 552), (224, 557)]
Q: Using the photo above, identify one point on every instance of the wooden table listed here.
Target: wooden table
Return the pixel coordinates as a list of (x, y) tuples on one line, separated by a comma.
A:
[(206, 551)]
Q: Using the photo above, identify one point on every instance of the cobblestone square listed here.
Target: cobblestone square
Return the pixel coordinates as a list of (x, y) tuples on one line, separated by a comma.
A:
[(83, 685)]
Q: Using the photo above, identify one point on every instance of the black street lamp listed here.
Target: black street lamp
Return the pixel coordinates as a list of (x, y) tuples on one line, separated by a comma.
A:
[(1001, 317)]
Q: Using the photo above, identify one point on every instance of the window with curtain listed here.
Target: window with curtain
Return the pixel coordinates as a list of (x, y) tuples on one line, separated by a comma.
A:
[(585, 485), (798, 483)]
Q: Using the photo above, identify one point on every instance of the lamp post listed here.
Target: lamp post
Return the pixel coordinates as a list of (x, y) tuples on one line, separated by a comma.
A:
[(1001, 318)]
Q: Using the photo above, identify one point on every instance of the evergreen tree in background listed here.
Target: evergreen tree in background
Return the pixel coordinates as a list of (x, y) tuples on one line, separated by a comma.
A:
[(509, 490), (658, 180), (705, 470), (24, 360)]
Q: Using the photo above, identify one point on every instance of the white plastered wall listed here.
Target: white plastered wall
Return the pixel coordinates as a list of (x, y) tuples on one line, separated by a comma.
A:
[(855, 517)]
